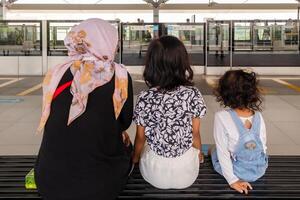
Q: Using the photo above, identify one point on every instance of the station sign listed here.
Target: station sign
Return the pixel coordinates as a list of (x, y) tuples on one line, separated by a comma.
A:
[(182, 27), (141, 28)]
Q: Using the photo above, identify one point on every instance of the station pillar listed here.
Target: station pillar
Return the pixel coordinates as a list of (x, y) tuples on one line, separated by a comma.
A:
[(155, 5), (3, 10), (155, 15)]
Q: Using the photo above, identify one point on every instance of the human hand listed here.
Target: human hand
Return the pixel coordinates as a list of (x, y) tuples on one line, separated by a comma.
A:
[(126, 139), (241, 186), (135, 159)]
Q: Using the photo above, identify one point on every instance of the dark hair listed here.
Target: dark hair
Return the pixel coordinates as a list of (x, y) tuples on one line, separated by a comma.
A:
[(167, 64), (239, 89)]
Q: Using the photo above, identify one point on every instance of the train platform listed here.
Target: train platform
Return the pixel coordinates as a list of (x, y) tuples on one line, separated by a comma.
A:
[(218, 35), (20, 109)]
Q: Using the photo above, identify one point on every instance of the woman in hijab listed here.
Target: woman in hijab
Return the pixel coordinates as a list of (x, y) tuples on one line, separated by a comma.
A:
[(87, 105)]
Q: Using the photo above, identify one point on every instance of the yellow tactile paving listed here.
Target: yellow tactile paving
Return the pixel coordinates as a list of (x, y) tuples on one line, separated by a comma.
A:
[(266, 90), (30, 90), (287, 84), (212, 82), (12, 80)]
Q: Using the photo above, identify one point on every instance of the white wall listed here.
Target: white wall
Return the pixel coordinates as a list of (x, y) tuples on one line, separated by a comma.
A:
[(147, 16), (20, 65)]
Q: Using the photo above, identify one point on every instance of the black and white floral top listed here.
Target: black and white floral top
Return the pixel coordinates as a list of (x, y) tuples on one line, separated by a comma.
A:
[(167, 118)]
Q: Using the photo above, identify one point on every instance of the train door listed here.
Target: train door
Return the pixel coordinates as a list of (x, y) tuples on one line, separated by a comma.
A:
[(262, 34), (192, 35), (218, 46), (135, 40)]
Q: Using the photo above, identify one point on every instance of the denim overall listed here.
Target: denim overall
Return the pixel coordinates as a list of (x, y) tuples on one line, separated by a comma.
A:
[(248, 159)]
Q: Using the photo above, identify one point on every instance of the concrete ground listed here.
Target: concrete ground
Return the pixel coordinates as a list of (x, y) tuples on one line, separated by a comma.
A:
[(20, 109)]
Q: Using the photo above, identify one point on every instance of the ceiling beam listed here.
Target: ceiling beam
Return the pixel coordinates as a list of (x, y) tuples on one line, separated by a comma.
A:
[(282, 6)]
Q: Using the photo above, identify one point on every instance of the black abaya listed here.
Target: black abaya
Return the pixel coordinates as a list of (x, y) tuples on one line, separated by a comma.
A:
[(86, 160)]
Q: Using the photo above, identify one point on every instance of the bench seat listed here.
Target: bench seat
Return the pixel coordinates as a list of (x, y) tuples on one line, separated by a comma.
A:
[(282, 180)]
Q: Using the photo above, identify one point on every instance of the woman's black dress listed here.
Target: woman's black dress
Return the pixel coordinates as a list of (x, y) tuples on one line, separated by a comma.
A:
[(86, 160)]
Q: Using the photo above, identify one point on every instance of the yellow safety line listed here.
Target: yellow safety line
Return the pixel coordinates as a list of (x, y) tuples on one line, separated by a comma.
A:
[(30, 90), (6, 78), (212, 82), (13, 80), (287, 84), (265, 90), (139, 81)]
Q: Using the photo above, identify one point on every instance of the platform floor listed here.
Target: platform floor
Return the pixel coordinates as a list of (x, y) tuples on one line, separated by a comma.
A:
[(20, 109)]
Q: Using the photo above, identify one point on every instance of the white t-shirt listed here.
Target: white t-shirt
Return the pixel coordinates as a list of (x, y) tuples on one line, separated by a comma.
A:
[(226, 137)]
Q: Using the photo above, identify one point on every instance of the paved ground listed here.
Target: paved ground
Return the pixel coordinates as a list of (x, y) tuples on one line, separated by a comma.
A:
[(20, 105), (284, 85)]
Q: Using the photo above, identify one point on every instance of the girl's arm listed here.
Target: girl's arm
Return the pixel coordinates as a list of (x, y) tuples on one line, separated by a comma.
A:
[(221, 139), (196, 133), (139, 143), (196, 137), (263, 133)]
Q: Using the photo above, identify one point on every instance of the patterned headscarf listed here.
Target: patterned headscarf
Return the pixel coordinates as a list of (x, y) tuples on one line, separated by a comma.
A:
[(91, 48)]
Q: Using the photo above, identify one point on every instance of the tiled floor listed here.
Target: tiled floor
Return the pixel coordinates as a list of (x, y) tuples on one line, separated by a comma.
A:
[(18, 121)]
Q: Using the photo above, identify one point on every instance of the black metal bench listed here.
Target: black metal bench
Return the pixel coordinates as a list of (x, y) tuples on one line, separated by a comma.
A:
[(282, 180)]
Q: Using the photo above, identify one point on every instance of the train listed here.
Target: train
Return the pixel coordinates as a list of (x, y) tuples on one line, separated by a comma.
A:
[(31, 47)]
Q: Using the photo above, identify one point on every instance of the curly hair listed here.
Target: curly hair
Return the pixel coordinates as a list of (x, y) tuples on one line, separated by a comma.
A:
[(239, 89), (167, 64)]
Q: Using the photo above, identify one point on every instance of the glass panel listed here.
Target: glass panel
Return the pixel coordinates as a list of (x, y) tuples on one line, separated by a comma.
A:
[(290, 36), (57, 33), (218, 44), (136, 38), (192, 35), (274, 43), (20, 38), (242, 36), (262, 36)]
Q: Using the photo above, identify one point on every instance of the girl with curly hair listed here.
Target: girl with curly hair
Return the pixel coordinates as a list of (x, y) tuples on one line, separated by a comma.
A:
[(239, 131)]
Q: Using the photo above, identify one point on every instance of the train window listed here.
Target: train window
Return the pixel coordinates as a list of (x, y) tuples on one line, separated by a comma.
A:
[(262, 36), (242, 36), (290, 36), (57, 31), (218, 43), (242, 32), (272, 43), (20, 38), (136, 38), (218, 36), (192, 35)]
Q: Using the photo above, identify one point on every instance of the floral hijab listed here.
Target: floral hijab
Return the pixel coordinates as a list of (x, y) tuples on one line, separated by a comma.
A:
[(91, 48)]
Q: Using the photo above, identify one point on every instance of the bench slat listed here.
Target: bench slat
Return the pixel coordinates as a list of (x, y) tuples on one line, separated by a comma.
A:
[(282, 180)]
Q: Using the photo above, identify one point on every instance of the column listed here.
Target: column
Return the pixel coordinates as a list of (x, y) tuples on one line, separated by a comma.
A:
[(156, 14), (3, 10)]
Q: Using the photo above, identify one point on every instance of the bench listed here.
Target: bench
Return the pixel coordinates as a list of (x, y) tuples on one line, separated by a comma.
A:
[(282, 180)]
